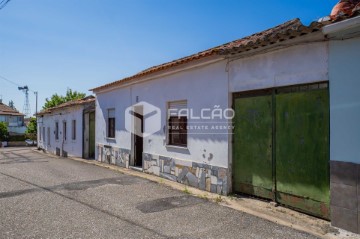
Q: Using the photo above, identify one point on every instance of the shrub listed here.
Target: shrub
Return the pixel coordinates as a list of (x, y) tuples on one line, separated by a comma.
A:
[(17, 138), (3, 131)]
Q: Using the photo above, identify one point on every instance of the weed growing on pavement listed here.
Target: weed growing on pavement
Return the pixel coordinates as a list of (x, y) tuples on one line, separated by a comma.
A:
[(204, 196), (186, 190), (218, 199)]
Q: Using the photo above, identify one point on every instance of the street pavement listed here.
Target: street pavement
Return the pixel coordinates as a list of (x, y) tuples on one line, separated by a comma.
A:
[(46, 197)]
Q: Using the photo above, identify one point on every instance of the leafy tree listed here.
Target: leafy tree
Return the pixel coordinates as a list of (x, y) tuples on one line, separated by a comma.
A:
[(56, 99), (3, 131), (32, 127)]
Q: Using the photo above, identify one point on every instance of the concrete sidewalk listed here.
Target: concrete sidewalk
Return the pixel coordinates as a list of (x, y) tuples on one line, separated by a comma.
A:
[(259, 208)]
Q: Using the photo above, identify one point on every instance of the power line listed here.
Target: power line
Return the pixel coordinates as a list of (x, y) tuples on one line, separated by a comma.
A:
[(4, 78), (14, 83), (25, 89), (3, 3)]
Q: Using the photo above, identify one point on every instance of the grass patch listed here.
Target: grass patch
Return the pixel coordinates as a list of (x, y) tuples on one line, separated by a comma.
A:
[(204, 196), (186, 190), (218, 199)]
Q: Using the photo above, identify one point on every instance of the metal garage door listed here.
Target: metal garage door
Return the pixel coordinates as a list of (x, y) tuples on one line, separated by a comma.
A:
[(302, 150), (281, 146), (252, 167)]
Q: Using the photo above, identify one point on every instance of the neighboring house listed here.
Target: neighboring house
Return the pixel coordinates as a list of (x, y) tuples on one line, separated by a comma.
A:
[(13, 119), (344, 79), (68, 129), (174, 121)]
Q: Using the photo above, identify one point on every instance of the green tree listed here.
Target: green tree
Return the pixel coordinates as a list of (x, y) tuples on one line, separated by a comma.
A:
[(3, 131), (32, 127), (56, 99)]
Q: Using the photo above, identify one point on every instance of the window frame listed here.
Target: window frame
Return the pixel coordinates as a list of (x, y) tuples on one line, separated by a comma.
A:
[(181, 131), (40, 136), (111, 124), (180, 122), (64, 130), (73, 130), (44, 134), (56, 130), (48, 136)]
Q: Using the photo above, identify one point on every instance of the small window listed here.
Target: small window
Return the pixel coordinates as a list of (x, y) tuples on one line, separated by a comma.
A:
[(43, 132), (39, 131), (48, 135), (64, 131), (73, 130), (56, 130), (111, 123), (178, 131), (177, 124)]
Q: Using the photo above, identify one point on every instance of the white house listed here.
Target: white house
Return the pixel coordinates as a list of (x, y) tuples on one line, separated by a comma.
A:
[(197, 141), (68, 129), (13, 119)]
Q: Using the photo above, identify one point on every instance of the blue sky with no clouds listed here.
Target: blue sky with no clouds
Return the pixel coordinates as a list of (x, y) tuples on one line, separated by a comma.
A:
[(51, 45)]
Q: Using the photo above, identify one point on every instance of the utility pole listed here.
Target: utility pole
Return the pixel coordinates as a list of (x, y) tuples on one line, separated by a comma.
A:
[(36, 105), (36, 118)]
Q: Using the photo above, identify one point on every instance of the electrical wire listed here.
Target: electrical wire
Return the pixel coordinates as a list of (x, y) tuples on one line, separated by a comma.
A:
[(3, 3), (6, 79), (12, 82)]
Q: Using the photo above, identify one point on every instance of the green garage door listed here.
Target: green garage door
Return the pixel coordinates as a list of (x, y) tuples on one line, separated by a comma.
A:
[(253, 146), (302, 150), (295, 120)]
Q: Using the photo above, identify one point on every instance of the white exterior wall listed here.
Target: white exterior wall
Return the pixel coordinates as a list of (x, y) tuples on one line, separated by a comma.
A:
[(202, 87), (344, 51), (119, 100), (72, 147), (345, 100), (299, 64)]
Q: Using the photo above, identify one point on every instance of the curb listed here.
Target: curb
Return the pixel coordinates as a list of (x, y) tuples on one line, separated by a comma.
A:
[(324, 230)]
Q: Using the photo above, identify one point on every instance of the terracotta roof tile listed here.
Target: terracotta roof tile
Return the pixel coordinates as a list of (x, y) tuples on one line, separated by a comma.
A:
[(285, 31), (86, 100), (7, 110), (288, 30), (344, 9)]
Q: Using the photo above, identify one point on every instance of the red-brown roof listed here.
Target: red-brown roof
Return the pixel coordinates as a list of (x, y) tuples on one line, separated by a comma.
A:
[(288, 30), (83, 101), (282, 32), (7, 110)]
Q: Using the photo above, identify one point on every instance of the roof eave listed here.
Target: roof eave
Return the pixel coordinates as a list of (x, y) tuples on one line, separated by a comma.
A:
[(161, 73), (342, 25)]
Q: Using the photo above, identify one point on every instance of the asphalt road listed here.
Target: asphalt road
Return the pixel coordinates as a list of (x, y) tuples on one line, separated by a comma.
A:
[(46, 197)]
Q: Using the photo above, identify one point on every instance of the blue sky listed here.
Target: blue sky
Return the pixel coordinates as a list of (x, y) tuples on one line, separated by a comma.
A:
[(53, 45)]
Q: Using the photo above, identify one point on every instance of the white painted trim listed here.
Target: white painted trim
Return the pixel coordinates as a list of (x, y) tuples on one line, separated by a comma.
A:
[(340, 26), (170, 146)]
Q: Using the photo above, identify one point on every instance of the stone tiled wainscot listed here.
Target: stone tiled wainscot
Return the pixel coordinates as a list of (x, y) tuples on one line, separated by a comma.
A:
[(200, 175), (203, 176), (114, 155)]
